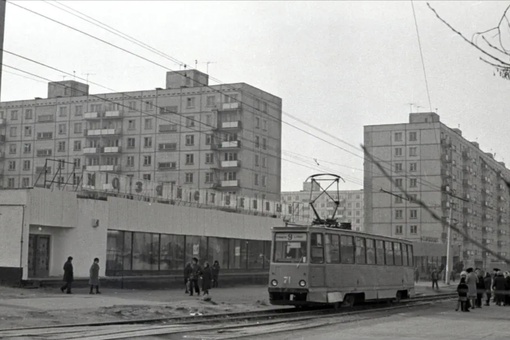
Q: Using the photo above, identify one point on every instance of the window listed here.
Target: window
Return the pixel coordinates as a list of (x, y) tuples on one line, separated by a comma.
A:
[(413, 136), (264, 126), (147, 160), (189, 177), (149, 105), (229, 176), (413, 167), (208, 120), (410, 255), (413, 151), (388, 247), (29, 114), (190, 102), (398, 214), (26, 165), (255, 179), (398, 167), (264, 181), (27, 148), (413, 214), (256, 160), (209, 177), (190, 140), (148, 123), (190, 121), (210, 101), (61, 146), (146, 177), (131, 124), (44, 135), (77, 163), (208, 139), (13, 132), (360, 251), (77, 145), (95, 107), (398, 199), (12, 148), (398, 182), (379, 252), (397, 251), (398, 230), (130, 161), (370, 247), (77, 128), (209, 158), (317, 248), (413, 229), (14, 115), (167, 147), (412, 182), (230, 156), (130, 143), (132, 105), (398, 152), (264, 143), (62, 111), (168, 109), (398, 136), (257, 122), (78, 110), (10, 182), (25, 182), (62, 129), (257, 141), (346, 249), (12, 165), (190, 158), (147, 142)]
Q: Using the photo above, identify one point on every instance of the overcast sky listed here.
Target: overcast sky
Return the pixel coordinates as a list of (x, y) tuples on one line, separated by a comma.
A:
[(337, 65)]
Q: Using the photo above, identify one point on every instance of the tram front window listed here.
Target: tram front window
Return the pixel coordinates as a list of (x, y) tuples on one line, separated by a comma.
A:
[(290, 247)]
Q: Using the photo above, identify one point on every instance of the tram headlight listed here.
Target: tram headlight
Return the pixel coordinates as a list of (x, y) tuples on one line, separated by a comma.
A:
[(274, 283), (302, 283)]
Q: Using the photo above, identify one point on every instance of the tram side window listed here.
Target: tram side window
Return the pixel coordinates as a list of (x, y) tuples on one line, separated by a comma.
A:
[(388, 246), (398, 254), (360, 250), (379, 251), (347, 249), (290, 247), (404, 255), (370, 251), (410, 254), (332, 248), (317, 248)]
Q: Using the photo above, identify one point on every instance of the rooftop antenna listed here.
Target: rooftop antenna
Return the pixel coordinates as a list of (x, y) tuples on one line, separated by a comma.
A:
[(411, 107), (63, 77), (74, 75), (196, 64), (88, 74), (207, 65), (323, 182)]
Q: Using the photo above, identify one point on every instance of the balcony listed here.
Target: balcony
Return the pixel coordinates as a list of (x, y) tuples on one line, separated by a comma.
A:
[(112, 168), (91, 115), (112, 114), (231, 125), (230, 184), (230, 164), (230, 144), (102, 132), (111, 149), (230, 106), (90, 150)]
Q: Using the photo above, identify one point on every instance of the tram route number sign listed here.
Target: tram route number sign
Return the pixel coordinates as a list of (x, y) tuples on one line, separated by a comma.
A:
[(296, 237)]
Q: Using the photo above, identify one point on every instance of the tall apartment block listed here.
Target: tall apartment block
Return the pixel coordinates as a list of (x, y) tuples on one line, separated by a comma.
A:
[(452, 175), (191, 134), (350, 207)]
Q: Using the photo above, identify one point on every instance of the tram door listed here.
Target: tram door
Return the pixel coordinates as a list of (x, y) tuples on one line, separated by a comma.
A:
[(38, 255)]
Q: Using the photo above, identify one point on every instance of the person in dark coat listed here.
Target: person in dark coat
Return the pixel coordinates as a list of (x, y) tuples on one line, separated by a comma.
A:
[(498, 285), (462, 290), (195, 273), (94, 276), (206, 278), (487, 280), (215, 273), (507, 289), (434, 276), (68, 275), (187, 274), (480, 288)]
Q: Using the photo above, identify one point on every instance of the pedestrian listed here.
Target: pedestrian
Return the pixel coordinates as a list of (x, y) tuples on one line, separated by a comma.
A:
[(195, 273), (498, 285), (215, 273), (68, 275), (507, 289), (480, 287), (488, 284), (452, 275), (471, 281), (462, 290), (206, 278), (434, 277), (94, 277), (187, 274)]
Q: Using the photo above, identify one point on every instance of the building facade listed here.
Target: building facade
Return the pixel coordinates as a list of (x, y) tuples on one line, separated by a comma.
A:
[(190, 134), (296, 206), (453, 176)]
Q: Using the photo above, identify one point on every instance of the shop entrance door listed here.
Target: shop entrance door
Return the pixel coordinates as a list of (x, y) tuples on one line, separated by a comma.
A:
[(38, 255)]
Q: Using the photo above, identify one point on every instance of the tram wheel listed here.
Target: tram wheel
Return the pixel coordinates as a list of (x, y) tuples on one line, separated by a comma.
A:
[(348, 301)]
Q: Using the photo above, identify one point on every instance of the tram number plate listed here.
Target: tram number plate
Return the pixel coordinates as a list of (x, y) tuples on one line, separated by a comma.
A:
[(290, 237)]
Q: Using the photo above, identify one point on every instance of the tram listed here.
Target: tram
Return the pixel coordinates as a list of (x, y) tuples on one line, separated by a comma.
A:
[(327, 263)]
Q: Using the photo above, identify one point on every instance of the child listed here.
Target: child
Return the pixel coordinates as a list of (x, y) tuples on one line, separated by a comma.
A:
[(462, 290)]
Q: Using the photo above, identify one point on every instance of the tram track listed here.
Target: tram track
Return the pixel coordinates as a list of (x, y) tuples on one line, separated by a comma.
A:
[(213, 323)]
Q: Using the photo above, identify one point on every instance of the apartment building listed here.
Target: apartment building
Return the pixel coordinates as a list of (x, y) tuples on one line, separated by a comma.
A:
[(453, 176), (190, 134), (296, 206)]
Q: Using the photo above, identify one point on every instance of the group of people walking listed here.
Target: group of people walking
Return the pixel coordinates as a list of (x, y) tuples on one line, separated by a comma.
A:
[(69, 276), (474, 285), (193, 273)]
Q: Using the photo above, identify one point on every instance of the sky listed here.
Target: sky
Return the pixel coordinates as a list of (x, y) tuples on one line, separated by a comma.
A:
[(336, 65)]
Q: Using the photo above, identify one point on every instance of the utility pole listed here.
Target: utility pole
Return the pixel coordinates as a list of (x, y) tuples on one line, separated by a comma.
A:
[(448, 244), (2, 31)]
